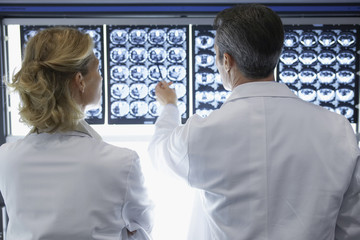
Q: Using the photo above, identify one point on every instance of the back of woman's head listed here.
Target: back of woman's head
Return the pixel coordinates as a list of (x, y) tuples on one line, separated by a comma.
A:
[(253, 35), (52, 59)]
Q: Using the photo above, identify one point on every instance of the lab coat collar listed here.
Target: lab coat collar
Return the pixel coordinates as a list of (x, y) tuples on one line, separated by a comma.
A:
[(260, 89), (82, 129)]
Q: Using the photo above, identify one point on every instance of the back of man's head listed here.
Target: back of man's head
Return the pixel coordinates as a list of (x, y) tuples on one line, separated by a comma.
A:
[(253, 35)]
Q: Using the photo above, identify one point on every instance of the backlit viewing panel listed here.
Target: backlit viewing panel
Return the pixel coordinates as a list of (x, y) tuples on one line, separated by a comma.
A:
[(209, 93), (138, 58), (319, 63), (93, 116)]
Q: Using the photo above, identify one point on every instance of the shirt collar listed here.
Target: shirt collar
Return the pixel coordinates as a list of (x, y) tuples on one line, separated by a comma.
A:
[(260, 89)]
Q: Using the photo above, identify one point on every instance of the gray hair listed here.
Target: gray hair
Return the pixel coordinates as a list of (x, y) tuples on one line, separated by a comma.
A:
[(253, 35)]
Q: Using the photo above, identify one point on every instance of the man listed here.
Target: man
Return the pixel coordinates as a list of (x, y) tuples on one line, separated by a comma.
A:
[(267, 165)]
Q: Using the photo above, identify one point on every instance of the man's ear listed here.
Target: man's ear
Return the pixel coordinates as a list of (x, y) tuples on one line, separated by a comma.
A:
[(228, 62), (79, 82)]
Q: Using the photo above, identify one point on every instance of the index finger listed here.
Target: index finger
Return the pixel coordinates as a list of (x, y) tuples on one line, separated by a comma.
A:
[(163, 84)]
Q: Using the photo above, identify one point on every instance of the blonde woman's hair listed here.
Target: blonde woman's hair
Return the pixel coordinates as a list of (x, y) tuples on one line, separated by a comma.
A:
[(52, 59)]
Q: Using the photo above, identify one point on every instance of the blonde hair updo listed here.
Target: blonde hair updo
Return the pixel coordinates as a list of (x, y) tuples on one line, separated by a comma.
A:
[(52, 59)]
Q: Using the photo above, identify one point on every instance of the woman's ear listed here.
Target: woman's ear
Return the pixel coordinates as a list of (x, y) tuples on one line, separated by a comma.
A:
[(79, 82)]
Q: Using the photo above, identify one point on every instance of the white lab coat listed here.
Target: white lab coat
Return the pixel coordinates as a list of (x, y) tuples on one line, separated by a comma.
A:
[(267, 166), (73, 186)]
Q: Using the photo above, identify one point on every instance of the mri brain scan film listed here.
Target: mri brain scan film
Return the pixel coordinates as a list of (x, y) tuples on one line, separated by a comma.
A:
[(209, 93), (319, 63), (138, 58)]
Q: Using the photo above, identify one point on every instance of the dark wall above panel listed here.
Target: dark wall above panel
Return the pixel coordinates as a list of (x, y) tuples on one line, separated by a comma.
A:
[(171, 2), (298, 8)]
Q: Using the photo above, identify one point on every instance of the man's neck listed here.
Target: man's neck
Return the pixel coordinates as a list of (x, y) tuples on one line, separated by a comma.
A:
[(242, 79)]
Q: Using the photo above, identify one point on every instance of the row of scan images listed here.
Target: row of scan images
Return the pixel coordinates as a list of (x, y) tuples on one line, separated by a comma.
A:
[(318, 63)]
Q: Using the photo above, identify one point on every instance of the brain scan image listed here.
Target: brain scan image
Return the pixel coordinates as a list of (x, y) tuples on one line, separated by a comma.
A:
[(209, 93), (140, 57), (319, 63)]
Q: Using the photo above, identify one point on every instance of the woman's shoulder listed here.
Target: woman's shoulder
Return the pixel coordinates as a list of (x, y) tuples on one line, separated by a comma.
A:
[(8, 146), (118, 150), (104, 151)]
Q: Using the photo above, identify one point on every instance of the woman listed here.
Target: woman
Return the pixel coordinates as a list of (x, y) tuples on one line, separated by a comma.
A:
[(62, 181)]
